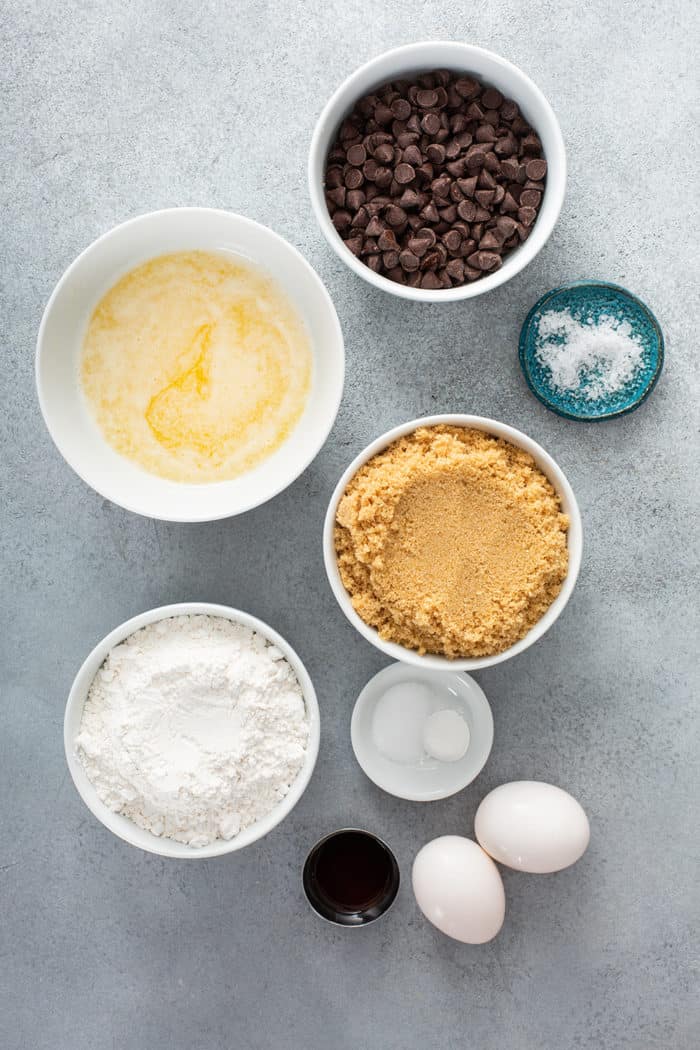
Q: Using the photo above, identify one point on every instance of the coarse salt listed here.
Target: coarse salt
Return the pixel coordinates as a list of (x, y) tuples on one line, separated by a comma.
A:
[(594, 358)]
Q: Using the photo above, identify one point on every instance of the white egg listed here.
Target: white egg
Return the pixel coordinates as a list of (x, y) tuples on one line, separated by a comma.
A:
[(532, 826), (458, 888)]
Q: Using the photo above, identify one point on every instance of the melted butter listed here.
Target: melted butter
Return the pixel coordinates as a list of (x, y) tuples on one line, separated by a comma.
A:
[(196, 366)]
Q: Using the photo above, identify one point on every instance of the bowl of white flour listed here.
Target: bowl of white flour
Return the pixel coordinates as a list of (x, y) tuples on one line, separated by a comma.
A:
[(192, 730)]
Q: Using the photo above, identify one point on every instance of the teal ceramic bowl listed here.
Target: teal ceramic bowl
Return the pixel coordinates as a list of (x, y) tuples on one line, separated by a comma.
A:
[(593, 300)]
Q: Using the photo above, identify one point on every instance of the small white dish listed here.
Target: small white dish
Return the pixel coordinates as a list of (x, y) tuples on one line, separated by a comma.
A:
[(59, 344), (123, 827), (428, 779), (574, 539), (491, 69)]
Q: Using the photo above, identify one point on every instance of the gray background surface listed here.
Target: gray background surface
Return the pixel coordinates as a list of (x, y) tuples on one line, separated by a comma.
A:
[(112, 110)]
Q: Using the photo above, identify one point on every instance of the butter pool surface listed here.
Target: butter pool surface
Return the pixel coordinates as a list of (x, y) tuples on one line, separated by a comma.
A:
[(196, 366)]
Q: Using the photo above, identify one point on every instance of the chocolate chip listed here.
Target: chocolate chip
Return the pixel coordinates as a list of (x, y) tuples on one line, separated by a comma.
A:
[(456, 168), (509, 203), (468, 186), (404, 173), (427, 234), (487, 261), (427, 99), (475, 157), (527, 216), (383, 114), (506, 224), (484, 197), (492, 98), (506, 146), (509, 168), (436, 153), (384, 153), (531, 144), (467, 87), (430, 213), (357, 155), (387, 241), (334, 177), (467, 210), (431, 123), (455, 268), (530, 198), (354, 178), (409, 199), (490, 240), (430, 280), (374, 228), (536, 169), (337, 196), (395, 215), (383, 178), (412, 155), (453, 241), (401, 108), (409, 261), (485, 133), (341, 220)]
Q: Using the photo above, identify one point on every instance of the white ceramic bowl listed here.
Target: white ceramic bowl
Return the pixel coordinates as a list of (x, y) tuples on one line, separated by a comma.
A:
[(575, 542), (122, 826), (61, 334), (493, 70), (429, 779)]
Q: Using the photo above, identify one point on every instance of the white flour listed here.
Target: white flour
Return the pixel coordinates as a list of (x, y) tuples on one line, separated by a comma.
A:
[(194, 728)]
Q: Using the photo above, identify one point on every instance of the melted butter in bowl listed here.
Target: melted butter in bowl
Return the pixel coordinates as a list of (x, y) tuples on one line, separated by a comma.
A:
[(196, 366)]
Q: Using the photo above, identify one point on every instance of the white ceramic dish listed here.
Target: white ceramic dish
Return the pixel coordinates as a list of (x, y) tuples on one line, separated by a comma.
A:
[(493, 70), (61, 334), (569, 506), (122, 826), (429, 779)]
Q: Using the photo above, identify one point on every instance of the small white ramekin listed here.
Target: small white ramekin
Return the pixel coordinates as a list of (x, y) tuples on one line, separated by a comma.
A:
[(59, 345), (574, 539), (493, 70), (123, 827)]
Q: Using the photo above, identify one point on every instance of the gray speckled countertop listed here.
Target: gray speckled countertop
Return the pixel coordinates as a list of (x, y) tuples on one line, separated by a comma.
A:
[(112, 110)]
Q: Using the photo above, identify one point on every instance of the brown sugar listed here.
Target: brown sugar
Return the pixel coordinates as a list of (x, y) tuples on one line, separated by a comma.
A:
[(451, 541)]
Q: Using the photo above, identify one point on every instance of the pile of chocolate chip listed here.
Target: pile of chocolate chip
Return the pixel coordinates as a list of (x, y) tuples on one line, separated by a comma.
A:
[(432, 181)]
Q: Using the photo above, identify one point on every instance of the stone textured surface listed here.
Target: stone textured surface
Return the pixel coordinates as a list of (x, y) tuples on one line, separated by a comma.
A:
[(109, 111)]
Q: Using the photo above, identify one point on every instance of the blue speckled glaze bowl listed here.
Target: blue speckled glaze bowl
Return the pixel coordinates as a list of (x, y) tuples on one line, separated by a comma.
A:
[(592, 300)]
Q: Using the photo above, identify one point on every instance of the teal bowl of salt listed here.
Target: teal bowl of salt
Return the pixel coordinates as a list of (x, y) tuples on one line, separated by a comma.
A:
[(591, 350)]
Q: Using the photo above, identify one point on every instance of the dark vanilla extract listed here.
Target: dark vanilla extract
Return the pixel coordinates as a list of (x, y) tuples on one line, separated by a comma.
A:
[(351, 877)]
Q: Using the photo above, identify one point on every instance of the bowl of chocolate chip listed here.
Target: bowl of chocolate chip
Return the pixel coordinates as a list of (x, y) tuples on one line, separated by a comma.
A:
[(437, 171)]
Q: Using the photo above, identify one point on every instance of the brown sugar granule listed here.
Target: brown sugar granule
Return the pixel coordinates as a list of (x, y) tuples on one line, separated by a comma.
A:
[(451, 541)]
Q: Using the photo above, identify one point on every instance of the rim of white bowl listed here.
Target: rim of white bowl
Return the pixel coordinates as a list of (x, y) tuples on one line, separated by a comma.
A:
[(574, 542), (122, 826), (342, 100), (97, 487)]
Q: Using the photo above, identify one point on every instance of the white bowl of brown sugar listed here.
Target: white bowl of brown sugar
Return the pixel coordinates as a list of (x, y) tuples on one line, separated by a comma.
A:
[(453, 541), (437, 171)]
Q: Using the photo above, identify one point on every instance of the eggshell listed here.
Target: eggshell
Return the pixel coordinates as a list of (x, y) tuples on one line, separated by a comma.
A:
[(532, 826), (458, 888)]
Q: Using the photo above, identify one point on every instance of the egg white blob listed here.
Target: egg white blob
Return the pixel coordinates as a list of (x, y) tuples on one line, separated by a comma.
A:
[(459, 889), (532, 826)]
